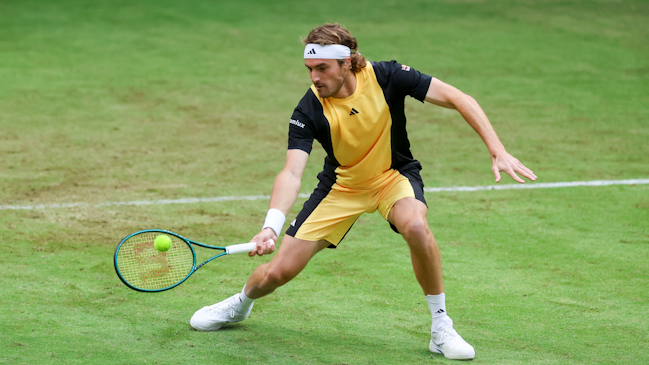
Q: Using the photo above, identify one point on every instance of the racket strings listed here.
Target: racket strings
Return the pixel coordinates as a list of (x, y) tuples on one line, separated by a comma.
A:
[(143, 266)]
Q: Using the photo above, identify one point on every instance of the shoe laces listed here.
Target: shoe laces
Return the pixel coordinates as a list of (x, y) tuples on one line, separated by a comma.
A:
[(225, 306), (446, 334)]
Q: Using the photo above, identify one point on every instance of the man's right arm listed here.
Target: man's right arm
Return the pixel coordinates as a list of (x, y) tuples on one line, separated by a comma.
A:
[(445, 95), (285, 191)]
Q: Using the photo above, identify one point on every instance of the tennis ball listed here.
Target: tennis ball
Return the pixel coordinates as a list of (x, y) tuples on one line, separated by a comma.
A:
[(162, 243)]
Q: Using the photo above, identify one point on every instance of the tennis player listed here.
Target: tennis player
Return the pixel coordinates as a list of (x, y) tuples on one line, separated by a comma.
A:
[(355, 110)]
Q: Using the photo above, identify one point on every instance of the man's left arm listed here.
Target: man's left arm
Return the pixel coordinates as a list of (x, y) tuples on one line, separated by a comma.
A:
[(442, 94)]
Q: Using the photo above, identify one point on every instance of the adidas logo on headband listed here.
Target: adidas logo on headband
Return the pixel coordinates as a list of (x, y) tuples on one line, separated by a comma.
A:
[(330, 51)]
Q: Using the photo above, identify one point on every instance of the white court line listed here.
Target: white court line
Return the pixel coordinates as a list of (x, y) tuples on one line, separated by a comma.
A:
[(266, 197), (567, 184)]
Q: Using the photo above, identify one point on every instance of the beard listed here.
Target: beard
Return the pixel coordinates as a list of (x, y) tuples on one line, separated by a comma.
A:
[(329, 89)]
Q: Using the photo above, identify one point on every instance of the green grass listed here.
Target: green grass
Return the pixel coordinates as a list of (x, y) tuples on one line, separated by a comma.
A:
[(139, 100)]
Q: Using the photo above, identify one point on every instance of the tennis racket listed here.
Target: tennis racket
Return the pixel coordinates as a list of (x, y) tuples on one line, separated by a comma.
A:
[(143, 268)]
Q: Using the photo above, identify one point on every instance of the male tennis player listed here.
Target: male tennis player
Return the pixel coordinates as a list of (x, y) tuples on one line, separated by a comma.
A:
[(355, 109)]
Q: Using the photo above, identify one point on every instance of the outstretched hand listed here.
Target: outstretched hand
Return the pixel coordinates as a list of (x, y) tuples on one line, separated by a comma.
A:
[(509, 164), (265, 242)]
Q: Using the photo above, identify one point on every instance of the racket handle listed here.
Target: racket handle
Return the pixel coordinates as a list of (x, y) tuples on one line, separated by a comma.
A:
[(240, 248)]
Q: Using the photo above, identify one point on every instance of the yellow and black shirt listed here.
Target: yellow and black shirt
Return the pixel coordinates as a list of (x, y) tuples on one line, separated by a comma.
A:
[(364, 134)]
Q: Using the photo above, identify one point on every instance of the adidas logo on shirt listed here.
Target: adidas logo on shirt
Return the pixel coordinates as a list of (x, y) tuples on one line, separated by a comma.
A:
[(354, 112)]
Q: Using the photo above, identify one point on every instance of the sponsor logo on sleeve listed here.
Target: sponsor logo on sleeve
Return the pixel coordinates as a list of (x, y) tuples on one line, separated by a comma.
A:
[(297, 123), (405, 68)]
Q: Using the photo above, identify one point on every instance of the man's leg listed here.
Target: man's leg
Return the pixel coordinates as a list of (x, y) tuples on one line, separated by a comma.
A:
[(290, 260), (292, 256), (408, 215)]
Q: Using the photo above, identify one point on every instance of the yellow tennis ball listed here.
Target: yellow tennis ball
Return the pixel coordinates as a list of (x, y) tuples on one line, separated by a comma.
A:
[(162, 243)]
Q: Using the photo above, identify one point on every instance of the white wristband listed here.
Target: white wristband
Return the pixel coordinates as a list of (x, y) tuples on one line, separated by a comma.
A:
[(275, 220)]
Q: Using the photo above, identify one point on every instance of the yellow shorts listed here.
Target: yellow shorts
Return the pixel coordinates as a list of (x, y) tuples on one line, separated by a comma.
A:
[(330, 211)]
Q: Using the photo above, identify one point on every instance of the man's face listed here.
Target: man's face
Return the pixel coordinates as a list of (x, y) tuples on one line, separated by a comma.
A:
[(327, 76)]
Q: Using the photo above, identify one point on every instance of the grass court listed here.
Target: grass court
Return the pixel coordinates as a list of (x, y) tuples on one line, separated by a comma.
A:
[(146, 100)]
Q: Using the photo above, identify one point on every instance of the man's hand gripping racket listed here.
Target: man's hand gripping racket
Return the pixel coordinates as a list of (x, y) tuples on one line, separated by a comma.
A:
[(265, 242), (144, 268)]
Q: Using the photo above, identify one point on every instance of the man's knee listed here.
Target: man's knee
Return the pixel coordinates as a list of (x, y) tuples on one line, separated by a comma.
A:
[(415, 228), (278, 276)]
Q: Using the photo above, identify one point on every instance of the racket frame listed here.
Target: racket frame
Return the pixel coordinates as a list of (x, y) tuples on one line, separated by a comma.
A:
[(189, 243)]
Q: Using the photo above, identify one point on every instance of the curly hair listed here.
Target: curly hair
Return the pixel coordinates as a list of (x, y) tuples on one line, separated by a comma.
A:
[(334, 33)]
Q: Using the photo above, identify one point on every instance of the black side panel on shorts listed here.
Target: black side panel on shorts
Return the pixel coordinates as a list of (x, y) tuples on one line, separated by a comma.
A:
[(397, 81), (314, 200), (417, 186), (316, 197)]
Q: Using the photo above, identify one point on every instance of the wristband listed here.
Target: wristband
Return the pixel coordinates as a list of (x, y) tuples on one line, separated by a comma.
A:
[(275, 220)]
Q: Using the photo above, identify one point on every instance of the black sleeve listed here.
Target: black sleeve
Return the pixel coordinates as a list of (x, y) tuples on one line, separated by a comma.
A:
[(404, 79), (300, 131)]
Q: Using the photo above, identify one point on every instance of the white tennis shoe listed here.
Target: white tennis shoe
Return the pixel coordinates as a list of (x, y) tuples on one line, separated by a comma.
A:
[(445, 340), (213, 317)]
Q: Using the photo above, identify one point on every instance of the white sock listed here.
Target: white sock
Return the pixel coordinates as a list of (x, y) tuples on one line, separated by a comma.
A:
[(437, 304), (245, 301)]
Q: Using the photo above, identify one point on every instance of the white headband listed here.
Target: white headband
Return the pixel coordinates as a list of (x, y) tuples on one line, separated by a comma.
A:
[(328, 52)]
